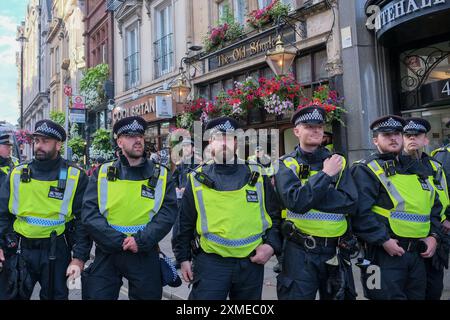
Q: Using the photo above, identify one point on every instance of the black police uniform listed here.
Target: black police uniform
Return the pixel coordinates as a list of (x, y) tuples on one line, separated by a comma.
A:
[(401, 277), (304, 271), (103, 278), (435, 265), (5, 162), (217, 277), (35, 252), (180, 178)]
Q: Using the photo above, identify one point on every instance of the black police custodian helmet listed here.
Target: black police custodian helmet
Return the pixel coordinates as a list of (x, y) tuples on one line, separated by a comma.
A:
[(309, 115), (389, 123), (222, 124), (50, 129), (130, 126), (416, 126)]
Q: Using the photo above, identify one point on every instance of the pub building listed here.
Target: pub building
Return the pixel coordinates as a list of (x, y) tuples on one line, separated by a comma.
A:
[(412, 44), (316, 63)]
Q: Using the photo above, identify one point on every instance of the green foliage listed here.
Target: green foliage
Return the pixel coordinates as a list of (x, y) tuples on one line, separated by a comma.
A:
[(91, 86), (58, 116), (102, 140), (77, 144)]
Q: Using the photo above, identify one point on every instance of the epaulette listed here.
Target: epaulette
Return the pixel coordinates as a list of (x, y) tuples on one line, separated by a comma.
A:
[(289, 155)]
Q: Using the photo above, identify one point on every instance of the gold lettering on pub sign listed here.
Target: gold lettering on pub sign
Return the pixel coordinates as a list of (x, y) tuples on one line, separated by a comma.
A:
[(140, 109), (247, 50)]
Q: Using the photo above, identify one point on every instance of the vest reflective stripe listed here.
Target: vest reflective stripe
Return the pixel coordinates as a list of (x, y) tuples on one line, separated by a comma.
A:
[(409, 218), (316, 215), (399, 202), (443, 194), (315, 222), (129, 229), (258, 185), (212, 242), (32, 212), (42, 222), (103, 198)]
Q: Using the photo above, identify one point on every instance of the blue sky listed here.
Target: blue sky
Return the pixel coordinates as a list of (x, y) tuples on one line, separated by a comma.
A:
[(11, 13)]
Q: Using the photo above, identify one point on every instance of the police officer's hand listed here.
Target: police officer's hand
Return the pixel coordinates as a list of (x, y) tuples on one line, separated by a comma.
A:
[(263, 253), (186, 271), (446, 226), (431, 247), (333, 165), (392, 248), (74, 269), (130, 244), (2, 256)]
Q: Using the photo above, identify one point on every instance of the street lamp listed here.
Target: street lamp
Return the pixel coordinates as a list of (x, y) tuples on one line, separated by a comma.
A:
[(180, 90), (22, 39), (280, 60)]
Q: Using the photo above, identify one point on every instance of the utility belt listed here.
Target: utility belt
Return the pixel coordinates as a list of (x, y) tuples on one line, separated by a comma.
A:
[(15, 240), (412, 245), (292, 233)]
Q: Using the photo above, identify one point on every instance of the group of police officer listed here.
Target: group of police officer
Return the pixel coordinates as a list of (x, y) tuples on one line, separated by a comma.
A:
[(316, 213)]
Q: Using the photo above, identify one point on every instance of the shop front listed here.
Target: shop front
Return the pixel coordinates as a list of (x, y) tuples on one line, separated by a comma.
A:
[(413, 39)]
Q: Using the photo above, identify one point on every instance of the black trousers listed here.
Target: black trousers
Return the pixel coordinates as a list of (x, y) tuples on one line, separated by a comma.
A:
[(216, 278), (435, 281), (102, 280), (401, 278), (35, 268), (305, 272)]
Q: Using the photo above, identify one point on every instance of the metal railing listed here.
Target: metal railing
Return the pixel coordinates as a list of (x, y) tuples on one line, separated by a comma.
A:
[(132, 70), (164, 56)]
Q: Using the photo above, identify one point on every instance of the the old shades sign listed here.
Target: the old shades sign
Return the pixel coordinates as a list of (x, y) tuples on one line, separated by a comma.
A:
[(253, 47)]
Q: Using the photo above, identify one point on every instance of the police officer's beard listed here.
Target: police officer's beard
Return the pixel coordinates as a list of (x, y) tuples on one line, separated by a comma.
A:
[(134, 154), (224, 155), (43, 156)]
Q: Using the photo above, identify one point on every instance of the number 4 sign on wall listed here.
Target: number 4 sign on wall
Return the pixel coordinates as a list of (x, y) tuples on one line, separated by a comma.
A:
[(446, 89)]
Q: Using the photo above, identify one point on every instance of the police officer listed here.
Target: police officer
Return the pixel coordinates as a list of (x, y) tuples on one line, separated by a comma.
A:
[(316, 188), (6, 161), (442, 155), (327, 141), (40, 206), (261, 158), (398, 218), (129, 206), (230, 207), (415, 140), (180, 178)]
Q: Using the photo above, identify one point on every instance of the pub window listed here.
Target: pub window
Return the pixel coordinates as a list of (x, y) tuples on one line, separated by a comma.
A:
[(267, 73), (311, 71), (320, 61), (203, 92), (228, 84), (215, 89), (254, 75), (239, 8), (223, 9), (263, 3), (304, 71)]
